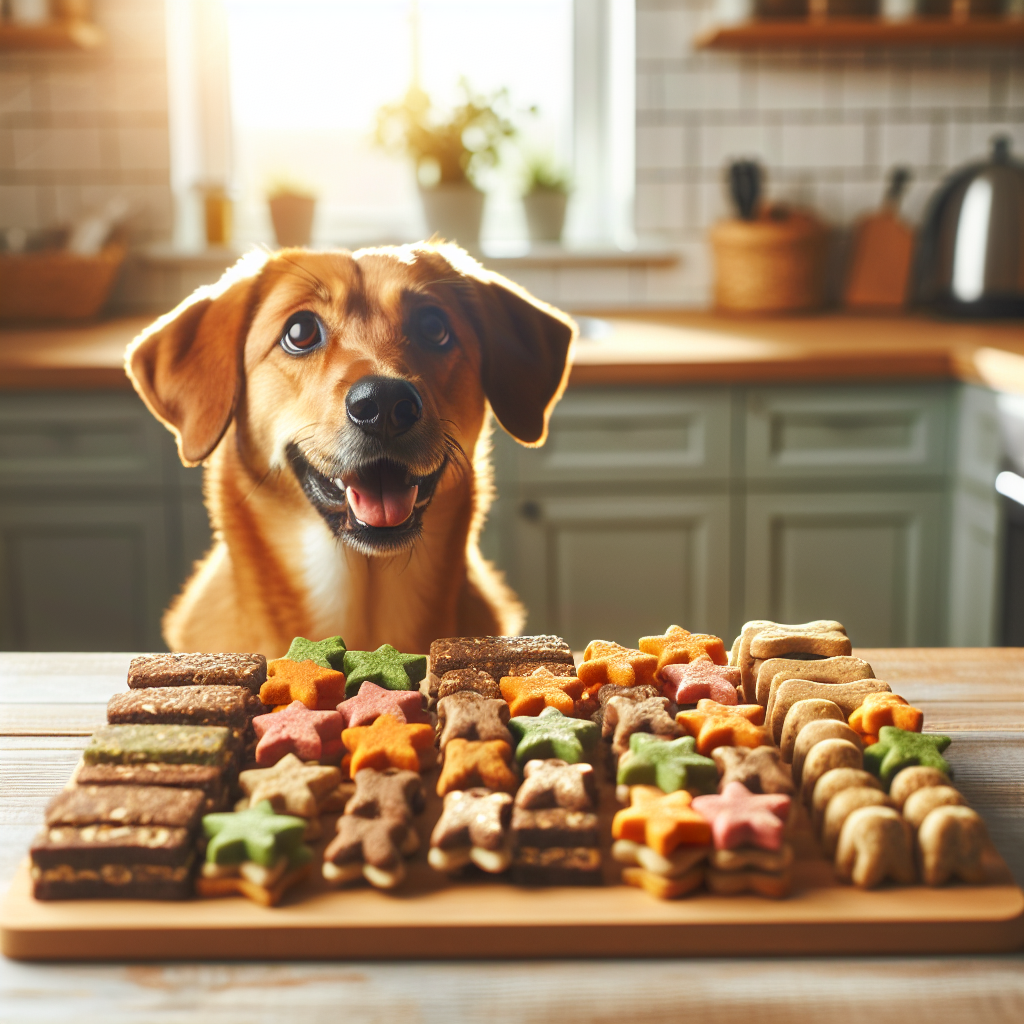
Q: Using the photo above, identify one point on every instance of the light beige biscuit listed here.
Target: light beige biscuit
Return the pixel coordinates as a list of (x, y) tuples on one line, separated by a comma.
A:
[(841, 806), (661, 886), (909, 780), (741, 658), (823, 637), (825, 756), (923, 801), (950, 844), (775, 671), (849, 697), (835, 781), (812, 734), (764, 883), (802, 713), (749, 857), (680, 861), (875, 844)]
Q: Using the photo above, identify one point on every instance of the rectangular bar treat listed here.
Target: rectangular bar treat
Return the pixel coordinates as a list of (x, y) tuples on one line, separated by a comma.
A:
[(557, 865), (126, 805), (207, 778), (248, 670), (554, 826), (171, 744), (231, 706)]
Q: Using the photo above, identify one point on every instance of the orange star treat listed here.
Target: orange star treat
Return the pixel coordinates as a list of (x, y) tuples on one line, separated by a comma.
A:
[(678, 646), (388, 743), (530, 695), (721, 729), (605, 662), (662, 821), (751, 712), (470, 763), (881, 709), (319, 688)]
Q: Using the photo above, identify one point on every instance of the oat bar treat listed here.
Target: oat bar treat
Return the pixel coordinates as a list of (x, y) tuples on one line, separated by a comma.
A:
[(248, 670), (170, 744), (230, 706), (496, 655), (209, 779), (472, 680), (554, 826), (557, 865), (126, 805), (473, 828)]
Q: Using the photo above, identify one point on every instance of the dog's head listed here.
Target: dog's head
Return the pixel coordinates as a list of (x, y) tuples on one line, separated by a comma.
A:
[(365, 375)]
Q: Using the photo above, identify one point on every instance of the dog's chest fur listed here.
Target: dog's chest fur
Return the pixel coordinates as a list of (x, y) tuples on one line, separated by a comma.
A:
[(326, 574)]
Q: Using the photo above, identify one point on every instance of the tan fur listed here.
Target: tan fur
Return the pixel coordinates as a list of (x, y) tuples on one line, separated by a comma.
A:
[(213, 372)]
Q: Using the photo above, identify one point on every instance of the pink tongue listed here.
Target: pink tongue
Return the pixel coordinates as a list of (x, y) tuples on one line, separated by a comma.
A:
[(381, 497)]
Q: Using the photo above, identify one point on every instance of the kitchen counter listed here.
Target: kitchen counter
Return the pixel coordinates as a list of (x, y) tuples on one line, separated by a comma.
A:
[(634, 348)]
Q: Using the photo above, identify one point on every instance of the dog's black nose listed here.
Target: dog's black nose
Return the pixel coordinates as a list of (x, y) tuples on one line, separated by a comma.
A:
[(383, 406)]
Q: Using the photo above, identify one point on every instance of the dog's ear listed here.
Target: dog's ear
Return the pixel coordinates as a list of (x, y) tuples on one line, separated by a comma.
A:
[(187, 366)]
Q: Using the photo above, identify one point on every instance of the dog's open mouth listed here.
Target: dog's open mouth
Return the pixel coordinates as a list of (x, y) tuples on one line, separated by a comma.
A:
[(378, 508)]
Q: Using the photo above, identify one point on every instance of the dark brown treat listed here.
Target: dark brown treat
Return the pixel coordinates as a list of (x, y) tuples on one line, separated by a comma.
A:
[(387, 793), (465, 679), (471, 716), (556, 668), (248, 670), (232, 706), (126, 805), (554, 826), (496, 654), (555, 783), (760, 769), (643, 692), (557, 865), (374, 841), (473, 817), (208, 778), (622, 717)]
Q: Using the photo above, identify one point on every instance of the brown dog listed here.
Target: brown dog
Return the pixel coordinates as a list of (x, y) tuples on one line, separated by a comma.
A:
[(339, 403)]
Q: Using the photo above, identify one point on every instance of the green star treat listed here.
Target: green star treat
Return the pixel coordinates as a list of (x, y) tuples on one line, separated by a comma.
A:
[(257, 834), (386, 667), (552, 734), (897, 749), (669, 765), (329, 653)]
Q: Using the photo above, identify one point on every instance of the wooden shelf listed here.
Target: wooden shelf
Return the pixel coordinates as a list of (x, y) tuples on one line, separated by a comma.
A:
[(53, 35), (864, 32)]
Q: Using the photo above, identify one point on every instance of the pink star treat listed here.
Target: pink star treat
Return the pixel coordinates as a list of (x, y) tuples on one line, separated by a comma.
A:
[(309, 735), (700, 680), (372, 701), (740, 818)]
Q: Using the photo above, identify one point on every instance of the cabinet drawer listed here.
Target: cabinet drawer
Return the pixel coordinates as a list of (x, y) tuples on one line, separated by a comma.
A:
[(611, 434), (80, 440), (830, 432)]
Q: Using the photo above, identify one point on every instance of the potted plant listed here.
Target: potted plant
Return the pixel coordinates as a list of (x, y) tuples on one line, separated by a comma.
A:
[(545, 195), (449, 151), (291, 210)]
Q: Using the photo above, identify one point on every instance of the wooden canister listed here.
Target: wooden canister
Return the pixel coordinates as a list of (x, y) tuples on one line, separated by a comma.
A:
[(774, 264)]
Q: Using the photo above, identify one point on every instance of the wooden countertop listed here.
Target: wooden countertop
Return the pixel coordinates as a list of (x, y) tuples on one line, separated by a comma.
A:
[(634, 348)]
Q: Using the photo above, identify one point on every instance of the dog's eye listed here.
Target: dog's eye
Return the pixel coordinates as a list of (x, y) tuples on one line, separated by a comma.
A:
[(432, 328), (302, 333)]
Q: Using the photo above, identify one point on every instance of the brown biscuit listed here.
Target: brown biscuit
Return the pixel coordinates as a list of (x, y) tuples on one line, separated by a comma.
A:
[(555, 783), (645, 691), (557, 865), (126, 805), (96, 846), (386, 793), (496, 654), (760, 769), (554, 826), (206, 777), (473, 817), (875, 844), (464, 679), (232, 706), (841, 806), (374, 841), (825, 638), (662, 886), (923, 801), (915, 777), (835, 781), (849, 697), (556, 668), (775, 671), (812, 734), (774, 885), (802, 713), (471, 716), (746, 857), (740, 656), (825, 756), (248, 670), (623, 717), (950, 844)]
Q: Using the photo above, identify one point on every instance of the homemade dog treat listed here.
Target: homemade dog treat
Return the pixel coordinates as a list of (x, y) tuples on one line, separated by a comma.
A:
[(469, 764), (771, 674), (310, 735), (841, 806), (669, 765), (760, 769), (724, 728), (171, 744), (751, 712), (557, 865), (812, 734), (468, 679), (369, 848), (468, 715), (950, 843), (835, 781), (897, 749), (372, 701), (923, 801), (554, 806), (327, 653), (126, 805), (291, 786), (803, 713), (387, 743), (605, 662), (391, 793), (740, 818), (908, 780), (248, 670), (875, 845), (666, 877), (473, 828), (605, 694), (231, 706), (848, 697), (319, 688), (209, 779), (552, 734), (881, 709), (688, 683), (622, 718), (662, 821), (530, 695), (678, 646), (386, 667), (824, 757), (761, 640)]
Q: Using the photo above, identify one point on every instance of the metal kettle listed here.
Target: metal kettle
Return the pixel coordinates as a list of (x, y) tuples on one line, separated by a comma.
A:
[(970, 252)]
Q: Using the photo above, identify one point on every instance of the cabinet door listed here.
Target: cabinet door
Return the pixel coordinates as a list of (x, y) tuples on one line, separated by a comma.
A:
[(617, 568), (83, 576), (871, 560)]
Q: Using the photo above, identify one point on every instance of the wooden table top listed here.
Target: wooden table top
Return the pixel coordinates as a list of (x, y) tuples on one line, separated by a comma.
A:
[(633, 348), (49, 703)]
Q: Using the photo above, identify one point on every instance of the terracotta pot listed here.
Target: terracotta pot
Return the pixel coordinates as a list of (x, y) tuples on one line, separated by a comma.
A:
[(545, 214), (454, 212), (293, 219)]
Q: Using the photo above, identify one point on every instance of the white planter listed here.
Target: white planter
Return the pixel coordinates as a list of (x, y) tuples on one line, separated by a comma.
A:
[(293, 219), (454, 212), (545, 214)]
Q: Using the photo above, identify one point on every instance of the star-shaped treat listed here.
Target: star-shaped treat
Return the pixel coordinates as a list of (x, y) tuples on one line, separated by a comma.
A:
[(897, 749), (624, 717), (740, 818), (310, 735), (257, 834), (552, 734), (374, 841), (643, 692), (319, 688), (388, 743), (698, 680), (473, 817), (555, 783), (391, 793), (530, 695), (329, 653), (679, 646), (372, 701), (876, 843), (881, 709), (760, 769), (669, 765), (469, 763), (605, 662), (724, 727), (291, 786), (386, 667), (661, 821), (751, 712), (469, 715)]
